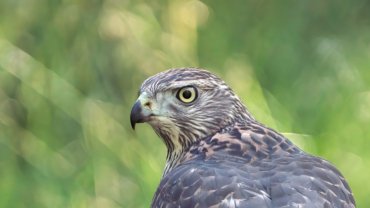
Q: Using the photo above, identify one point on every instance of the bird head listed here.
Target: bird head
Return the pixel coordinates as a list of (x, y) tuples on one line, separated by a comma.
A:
[(185, 105)]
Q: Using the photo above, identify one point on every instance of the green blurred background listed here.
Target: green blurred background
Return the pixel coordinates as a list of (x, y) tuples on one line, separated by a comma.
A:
[(70, 71)]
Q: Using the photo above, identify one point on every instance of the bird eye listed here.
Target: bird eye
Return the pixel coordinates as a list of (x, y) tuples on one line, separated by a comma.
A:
[(187, 94)]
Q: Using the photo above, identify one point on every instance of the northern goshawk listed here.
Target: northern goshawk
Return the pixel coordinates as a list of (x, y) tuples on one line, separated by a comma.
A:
[(218, 155)]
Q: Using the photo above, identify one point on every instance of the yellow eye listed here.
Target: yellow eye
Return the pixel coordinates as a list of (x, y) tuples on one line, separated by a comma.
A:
[(187, 94)]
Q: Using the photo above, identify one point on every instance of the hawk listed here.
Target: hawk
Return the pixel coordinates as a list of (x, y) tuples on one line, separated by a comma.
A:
[(218, 155)]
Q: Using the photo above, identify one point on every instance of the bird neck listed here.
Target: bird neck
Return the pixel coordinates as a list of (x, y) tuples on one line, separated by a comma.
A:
[(179, 140), (172, 160), (178, 153), (252, 140)]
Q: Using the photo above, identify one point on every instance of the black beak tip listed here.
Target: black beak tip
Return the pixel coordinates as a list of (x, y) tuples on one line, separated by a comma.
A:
[(136, 114), (133, 124)]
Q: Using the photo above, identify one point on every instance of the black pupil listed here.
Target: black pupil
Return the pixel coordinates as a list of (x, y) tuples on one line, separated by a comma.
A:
[(186, 94)]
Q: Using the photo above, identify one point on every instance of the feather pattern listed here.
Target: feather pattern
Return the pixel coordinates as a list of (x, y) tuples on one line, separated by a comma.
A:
[(251, 167)]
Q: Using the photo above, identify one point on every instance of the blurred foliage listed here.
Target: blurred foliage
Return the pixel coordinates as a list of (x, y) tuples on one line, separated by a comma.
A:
[(70, 71)]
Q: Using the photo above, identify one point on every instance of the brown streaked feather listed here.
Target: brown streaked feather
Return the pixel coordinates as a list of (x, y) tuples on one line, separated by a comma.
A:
[(250, 166)]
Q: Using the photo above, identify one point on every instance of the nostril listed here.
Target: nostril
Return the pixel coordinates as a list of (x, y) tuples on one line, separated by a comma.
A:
[(148, 105)]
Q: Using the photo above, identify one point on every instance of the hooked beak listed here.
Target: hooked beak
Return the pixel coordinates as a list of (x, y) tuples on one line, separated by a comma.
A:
[(136, 115), (140, 113)]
